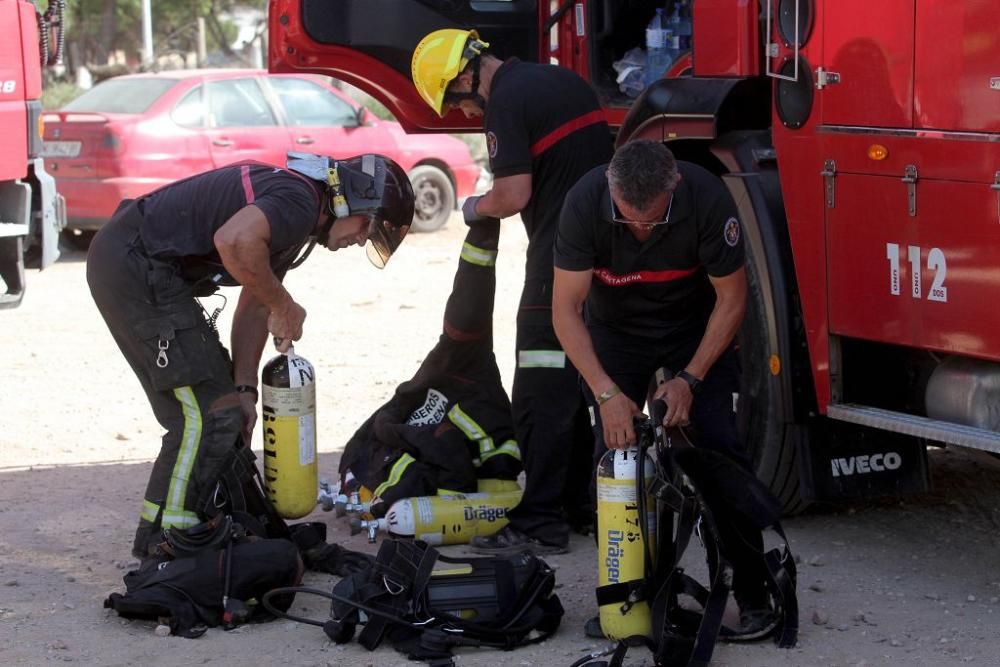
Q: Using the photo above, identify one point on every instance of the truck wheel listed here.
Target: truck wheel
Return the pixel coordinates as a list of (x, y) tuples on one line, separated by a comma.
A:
[(435, 198), (769, 432)]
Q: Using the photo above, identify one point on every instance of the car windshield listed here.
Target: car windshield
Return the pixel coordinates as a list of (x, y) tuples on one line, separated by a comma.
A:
[(121, 96)]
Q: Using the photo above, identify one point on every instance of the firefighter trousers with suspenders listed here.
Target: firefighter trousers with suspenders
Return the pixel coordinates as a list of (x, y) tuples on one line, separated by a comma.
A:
[(183, 368), (551, 425)]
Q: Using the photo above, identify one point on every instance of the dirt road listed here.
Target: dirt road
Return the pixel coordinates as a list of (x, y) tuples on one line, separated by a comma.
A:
[(910, 581)]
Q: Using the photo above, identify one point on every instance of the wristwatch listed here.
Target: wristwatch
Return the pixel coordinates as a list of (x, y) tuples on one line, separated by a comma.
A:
[(692, 381), (248, 389)]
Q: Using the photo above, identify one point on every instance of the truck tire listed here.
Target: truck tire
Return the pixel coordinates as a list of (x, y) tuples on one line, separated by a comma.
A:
[(435, 198), (772, 438)]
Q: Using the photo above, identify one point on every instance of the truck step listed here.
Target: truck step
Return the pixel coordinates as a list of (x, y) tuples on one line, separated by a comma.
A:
[(13, 229), (920, 427)]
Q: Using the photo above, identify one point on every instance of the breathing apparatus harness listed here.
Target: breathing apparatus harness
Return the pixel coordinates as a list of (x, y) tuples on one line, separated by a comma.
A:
[(495, 602), (686, 495)]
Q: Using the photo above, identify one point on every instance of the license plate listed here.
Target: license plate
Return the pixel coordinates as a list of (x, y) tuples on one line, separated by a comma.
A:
[(60, 149)]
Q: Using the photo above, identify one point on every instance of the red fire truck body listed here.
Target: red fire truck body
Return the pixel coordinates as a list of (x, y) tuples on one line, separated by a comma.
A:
[(31, 212), (861, 141)]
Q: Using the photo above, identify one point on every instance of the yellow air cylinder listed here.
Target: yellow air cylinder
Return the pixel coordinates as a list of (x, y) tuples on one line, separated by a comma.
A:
[(448, 519), (620, 556), (288, 402)]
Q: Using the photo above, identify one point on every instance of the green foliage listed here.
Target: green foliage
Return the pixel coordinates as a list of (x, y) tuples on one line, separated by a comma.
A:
[(97, 29), (477, 146), (56, 94)]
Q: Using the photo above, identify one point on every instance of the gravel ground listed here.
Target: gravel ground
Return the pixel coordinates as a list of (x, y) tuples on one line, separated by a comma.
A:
[(910, 581)]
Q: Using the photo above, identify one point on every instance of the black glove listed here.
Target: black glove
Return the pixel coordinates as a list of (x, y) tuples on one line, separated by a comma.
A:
[(470, 214)]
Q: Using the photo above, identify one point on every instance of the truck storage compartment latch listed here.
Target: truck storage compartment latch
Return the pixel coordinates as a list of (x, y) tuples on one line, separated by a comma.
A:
[(828, 174), (825, 78), (996, 188), (910, 178)]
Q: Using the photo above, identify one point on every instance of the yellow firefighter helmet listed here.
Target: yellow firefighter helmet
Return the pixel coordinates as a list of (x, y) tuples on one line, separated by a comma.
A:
[(439, 58)]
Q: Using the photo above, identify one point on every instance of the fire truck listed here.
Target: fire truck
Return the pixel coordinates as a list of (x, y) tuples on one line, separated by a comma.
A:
[(31, 211), (861, 142)]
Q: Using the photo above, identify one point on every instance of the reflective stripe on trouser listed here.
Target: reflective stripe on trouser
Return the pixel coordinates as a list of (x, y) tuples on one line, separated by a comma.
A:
[(551, 428), (174, 514), (478, 256), (151, 313)]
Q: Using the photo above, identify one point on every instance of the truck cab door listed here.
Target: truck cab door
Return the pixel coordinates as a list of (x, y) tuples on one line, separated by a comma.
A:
[(368, 43), (869, 47), (957, 64)]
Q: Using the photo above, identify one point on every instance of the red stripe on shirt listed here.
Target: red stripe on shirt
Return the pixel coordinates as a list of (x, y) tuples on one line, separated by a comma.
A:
[(615, 280), (564, 130), (247, 185)]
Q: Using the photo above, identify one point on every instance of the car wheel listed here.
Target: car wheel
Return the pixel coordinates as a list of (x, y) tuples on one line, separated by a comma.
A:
[(434, 198)]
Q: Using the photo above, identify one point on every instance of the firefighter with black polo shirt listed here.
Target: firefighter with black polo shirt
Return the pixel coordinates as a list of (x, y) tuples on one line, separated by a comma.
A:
[(246, 224), (649, 273), (544, 129)]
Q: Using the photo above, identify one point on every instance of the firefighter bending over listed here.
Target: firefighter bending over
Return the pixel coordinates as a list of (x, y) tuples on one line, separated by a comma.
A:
[(653, 248), (245, 224)]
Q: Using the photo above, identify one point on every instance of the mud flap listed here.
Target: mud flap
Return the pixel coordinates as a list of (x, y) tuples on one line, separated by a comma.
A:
[(851, 461)]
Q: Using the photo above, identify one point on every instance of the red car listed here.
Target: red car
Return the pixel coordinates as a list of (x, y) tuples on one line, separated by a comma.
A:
[(131, 134)]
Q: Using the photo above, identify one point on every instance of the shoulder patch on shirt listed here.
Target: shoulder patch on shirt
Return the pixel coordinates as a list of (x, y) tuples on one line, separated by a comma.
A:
[(491, 144), (731, 232)]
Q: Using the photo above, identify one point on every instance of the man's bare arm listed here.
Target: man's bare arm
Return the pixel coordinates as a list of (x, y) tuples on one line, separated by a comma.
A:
[(508, 196), (243, 243)]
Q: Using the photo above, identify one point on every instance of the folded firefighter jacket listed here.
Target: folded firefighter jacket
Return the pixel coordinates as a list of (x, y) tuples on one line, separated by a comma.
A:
[(450, 425)]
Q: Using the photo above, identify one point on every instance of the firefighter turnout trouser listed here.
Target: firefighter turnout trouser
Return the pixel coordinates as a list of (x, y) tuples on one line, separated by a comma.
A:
[(551, 426), (183, 368)]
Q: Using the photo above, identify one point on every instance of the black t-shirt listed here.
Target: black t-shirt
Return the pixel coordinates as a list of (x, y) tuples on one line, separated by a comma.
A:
[(545, 121), (659, 288), (180, 220)]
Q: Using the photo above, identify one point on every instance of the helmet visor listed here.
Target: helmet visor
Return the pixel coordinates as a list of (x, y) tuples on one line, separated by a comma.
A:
[(383, 239)]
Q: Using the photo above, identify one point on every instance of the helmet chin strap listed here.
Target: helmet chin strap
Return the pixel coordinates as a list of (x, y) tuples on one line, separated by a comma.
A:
[(323, 233), (474, 96)]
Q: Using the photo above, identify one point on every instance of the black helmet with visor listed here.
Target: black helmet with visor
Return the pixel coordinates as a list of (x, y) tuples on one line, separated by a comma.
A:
[(369, 185)]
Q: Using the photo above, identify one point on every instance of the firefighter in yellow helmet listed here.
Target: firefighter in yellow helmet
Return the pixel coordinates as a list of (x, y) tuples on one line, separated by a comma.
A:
[(544, 130), (439, 58)]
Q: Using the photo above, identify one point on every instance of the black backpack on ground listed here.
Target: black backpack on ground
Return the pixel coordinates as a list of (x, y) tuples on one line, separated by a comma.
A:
[(215, 573), (495, 602), (217, 576)]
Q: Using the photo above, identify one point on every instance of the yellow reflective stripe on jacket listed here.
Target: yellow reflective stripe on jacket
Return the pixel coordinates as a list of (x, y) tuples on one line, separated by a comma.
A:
[(149, 510), (466, 424), (395, 474), (509, 448), (472, 430), (174, 513), (478, 256), (541, 359), (182, 519)]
